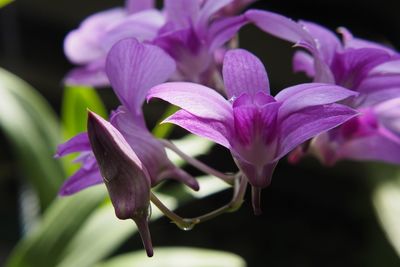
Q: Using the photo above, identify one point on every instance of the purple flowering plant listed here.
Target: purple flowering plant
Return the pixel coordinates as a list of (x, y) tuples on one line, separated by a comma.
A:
[(187, 55)]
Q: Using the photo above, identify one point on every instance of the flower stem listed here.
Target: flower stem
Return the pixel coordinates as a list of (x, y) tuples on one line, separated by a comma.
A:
[(198, 164), (240, 185)]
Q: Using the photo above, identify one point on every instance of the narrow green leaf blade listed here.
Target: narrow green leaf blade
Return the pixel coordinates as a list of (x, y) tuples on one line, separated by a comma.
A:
[(5, 2), (46, 243), (386, 199), (102, 234), (76, 101), (32, 127), (177, 257), (165, 129)]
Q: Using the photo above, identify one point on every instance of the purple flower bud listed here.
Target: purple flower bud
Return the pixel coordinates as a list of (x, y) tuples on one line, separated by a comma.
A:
[(125, 177)]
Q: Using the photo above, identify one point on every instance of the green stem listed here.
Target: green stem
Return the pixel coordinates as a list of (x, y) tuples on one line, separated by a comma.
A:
[(198, 164), (240, 186)]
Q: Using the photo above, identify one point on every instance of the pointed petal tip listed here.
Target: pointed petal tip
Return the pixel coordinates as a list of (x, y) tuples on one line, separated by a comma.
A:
[(144, 231)]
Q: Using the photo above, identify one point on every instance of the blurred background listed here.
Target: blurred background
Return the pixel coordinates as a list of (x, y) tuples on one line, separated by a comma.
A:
[(313, 216)]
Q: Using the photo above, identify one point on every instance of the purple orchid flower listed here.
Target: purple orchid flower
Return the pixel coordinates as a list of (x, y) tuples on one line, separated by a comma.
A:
[(257, 128), (132, 68), (88, 45), (193, 32), (368, 68), (235, 7), (126, 178)]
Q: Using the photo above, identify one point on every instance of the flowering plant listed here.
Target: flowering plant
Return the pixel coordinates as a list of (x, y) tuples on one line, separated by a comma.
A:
[(186, 56)]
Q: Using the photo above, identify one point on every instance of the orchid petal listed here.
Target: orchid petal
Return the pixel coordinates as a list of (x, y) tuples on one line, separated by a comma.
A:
[(78, 143), (85, 177), (197, 99), (83, 45), (310, 94), (180, 13), (304, 62), (389, 67), (373, 147), (213, 130), (376, 83), (375, 97), (353, 65), (223, 30), (235, 7), (143, 26), (306, 123), (133, 68), (351, 42), (327, 43), (389, 115), (280, 26), (209, 8), (244, 73), (286, 29), (134, 6), (93, 74), (149, 150)]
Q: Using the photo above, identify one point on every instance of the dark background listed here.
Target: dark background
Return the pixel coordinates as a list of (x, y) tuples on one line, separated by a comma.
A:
[(312, 217)]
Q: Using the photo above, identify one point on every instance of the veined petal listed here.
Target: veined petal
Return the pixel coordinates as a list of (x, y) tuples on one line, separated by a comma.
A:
[(389, 115), (300, 126), (375, 97), (311, 94), (134, 6), (133, 68), (353, 65), (223, 30), (83, 45), (377, 83), (235, 7), (389, 67), (372, 147), (209, 8), (280, 26), (181, 13), (351, 42), (143, 26), (197, 99), (78, 143), (88, 175), (327, 42), (149, 150), (304, 62), (92, 74), (244, 73), (213, 130)]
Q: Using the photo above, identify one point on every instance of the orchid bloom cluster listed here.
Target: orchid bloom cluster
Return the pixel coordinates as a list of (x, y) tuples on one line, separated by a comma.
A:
[(184, 55)]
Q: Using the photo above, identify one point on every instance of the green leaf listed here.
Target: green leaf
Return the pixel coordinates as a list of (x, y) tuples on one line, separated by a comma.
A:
[(32, 128), (76, 101), (5, 2), (177, 257), (165, 129), (44, 246), (86, 248), (386, 199)]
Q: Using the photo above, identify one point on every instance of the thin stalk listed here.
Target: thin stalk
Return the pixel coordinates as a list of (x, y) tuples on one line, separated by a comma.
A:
[(240, 186), (198, 164)]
